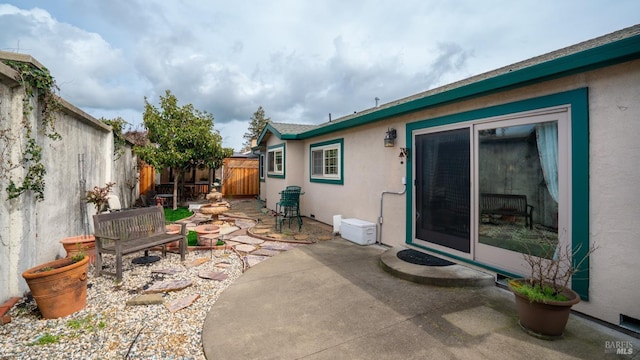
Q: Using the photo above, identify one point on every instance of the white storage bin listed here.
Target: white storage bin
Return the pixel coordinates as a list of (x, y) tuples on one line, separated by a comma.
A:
[(358, 231)]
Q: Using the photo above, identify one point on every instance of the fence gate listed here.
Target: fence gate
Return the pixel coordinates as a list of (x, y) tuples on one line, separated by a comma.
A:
[(147, 178), (240, 177)]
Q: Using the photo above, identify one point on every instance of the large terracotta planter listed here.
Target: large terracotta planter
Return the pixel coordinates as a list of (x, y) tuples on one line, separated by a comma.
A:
[(545, 320), (60, 291), (205, 229), (82, 243)]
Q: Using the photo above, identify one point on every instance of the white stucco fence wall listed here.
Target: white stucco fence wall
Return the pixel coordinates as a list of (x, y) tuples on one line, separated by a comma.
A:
[(29, 230)]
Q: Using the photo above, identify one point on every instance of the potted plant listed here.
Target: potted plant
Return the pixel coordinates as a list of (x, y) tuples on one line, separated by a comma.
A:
[(75, 245), (60, 286), (544, 299), (99, 196)]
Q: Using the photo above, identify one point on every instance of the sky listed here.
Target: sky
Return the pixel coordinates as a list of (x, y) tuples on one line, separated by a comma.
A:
[(300, 60)]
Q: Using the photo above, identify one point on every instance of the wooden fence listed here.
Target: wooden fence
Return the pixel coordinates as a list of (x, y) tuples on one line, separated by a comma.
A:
[(240, 177)]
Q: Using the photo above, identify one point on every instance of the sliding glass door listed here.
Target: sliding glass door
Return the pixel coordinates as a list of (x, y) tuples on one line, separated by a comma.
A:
[(442, 188), (493, 189)]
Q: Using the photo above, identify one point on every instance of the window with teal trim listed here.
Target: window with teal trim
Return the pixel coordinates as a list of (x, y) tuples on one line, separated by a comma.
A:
[(275, 161), (326, 161)]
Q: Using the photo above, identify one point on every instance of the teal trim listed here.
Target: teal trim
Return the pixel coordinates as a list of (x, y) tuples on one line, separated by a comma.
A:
[(271, 129), (284, 161), (262, 167), (591, 59), (578, 100), (339, 181)]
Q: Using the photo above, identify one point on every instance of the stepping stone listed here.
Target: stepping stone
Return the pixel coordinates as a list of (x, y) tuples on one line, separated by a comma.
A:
[(228, 230), (213, 275), (261, 231), (275, 245), (166, 286), (265, 252), (145, 299), (325, 237), (182, 303), (244, 224), (244, 247), (197, 262), (167, 271), (301, 236), (248, 240), (222, 265), (231, 242), (252, 260)]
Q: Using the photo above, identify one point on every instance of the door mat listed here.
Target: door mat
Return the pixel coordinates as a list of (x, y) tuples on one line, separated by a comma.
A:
[(418, 258)]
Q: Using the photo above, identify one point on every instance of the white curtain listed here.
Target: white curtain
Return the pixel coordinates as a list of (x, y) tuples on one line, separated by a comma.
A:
[(547, 138)]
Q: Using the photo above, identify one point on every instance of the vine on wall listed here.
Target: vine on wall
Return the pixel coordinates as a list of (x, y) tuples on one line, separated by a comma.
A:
[(36, 83)]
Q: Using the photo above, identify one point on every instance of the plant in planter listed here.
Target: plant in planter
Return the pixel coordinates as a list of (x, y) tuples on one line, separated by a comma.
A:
[(99, 196), (75, 245), (60, 286), (544, 299)]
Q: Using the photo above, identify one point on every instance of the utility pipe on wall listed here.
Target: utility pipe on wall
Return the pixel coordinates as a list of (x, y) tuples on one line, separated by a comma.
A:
[(404, 189)]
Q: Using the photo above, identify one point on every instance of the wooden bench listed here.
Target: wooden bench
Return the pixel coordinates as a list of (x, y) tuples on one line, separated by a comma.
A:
[(125, 232), (508, 205)]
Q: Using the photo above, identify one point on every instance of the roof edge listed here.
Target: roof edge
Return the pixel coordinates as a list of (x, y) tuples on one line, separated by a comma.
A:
[(588, 55)]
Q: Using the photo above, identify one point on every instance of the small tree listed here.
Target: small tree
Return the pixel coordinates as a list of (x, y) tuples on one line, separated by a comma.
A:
[(180, 137), (257, 123)]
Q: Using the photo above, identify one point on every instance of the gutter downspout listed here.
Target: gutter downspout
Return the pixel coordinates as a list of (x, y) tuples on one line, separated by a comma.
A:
[(404, 190)]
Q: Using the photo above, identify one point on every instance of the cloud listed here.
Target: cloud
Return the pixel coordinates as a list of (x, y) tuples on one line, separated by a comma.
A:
[(300, 61)]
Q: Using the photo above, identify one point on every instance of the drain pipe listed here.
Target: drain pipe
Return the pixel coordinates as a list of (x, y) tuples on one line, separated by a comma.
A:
[(404, 190)]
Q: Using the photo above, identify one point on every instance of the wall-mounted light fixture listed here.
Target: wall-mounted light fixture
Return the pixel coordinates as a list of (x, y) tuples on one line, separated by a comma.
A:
[(404, 154), (390, 138)]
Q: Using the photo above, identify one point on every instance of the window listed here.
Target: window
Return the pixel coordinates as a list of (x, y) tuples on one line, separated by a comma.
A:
[(261, 167), (275, 161), (326, 162)]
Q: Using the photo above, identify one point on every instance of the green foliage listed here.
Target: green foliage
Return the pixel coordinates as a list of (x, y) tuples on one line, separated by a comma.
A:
[(256, 124), (87, 323), (192, 238), (171, 215), (46, 338), (36, 82), (181, 137), (119, 141), (537, 292)]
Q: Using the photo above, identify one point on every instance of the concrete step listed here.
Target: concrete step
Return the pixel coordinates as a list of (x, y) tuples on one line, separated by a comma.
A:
[(449, 276)]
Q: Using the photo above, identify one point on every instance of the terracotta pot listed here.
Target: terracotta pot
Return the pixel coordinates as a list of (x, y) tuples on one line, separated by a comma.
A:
[(82, 243), (60, 291), (545, 320), (173, 229), (205, 229)]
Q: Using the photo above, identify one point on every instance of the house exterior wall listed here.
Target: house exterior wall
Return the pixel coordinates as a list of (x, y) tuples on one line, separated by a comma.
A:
[(29, 230), (614, 153), (294, 164)]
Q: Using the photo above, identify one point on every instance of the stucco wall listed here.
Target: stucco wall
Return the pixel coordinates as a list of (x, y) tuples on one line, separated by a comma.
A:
[(30, 231), (614, 115)]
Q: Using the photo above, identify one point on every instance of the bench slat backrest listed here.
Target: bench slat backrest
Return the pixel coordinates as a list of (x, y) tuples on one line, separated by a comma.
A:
[(503, 201), (130, 224)]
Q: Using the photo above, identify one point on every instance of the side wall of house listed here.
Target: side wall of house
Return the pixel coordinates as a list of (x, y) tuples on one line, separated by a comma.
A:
[(30, 231), (614, 151)]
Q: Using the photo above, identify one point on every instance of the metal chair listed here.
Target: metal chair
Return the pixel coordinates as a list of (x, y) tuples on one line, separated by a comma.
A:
[(288, 208)]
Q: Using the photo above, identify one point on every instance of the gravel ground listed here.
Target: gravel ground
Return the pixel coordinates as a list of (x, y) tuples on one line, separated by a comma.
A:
[(109, 329)]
